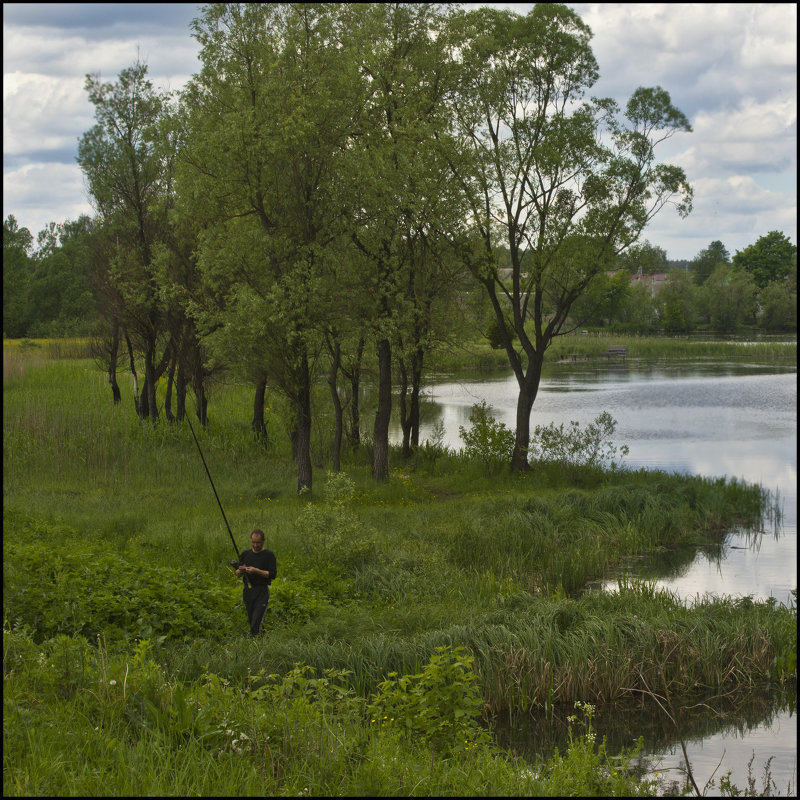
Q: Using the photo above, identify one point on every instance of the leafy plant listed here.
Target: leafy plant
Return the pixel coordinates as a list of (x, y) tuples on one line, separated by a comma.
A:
[(487, 439), (590, 447), (333, 536), (441, 704)]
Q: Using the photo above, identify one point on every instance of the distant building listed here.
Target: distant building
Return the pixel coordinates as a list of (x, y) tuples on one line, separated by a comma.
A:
[(655, 280)]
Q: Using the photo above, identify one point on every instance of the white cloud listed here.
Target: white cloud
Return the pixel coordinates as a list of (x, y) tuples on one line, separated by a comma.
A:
[(40, 193), (42, 112), (731, 68), (756, 136), (735, 210)]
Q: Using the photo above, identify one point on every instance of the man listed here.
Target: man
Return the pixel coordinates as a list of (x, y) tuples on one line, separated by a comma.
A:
[(260, 567)]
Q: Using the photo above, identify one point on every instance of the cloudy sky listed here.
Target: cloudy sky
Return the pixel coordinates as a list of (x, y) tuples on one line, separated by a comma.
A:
[(731, 68)]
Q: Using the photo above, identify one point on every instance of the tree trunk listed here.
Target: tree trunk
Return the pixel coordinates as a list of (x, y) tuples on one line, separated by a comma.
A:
[(354, 434), (416, 383), (528, 389), (132, 361), (405, 422), (302, 443), (180, 391), (112, 366), (150, 380), (380, 458), (202, 404), (336, 358), (168, 397), (258, 427)]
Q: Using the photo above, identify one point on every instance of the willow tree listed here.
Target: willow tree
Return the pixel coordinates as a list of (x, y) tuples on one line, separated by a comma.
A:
[(403, 201), (270, 116), (564, 183), (128, 172)]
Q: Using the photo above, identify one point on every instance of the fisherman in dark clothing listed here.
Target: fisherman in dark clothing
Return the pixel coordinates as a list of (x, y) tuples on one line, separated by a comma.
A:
[(260, 567)]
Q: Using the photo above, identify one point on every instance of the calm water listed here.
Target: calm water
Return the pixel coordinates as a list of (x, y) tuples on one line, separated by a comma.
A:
[(735, 420)]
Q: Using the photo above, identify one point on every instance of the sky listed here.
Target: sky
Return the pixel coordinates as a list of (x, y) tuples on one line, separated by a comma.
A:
[(731, 68)]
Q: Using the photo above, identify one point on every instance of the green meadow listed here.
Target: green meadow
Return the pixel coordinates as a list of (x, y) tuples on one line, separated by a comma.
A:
[(407, 616)]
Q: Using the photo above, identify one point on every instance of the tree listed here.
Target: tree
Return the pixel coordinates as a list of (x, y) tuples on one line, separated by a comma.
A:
[(677, 302), (638, 312), (270, 116), (603, 300), (644, 258), (17, 268), (778, 301), (404, 204), (60, 298), (129, 170), (769, 259), (565, 184), (730, 298), (706, 261)]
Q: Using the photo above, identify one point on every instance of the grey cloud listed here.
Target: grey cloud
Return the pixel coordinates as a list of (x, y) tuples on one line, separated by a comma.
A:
[(100, 17), (64, 155)]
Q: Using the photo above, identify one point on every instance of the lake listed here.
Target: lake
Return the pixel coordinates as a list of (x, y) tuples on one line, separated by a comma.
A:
[(735, 419)]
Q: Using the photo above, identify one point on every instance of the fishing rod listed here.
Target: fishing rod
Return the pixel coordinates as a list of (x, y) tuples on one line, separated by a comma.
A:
[(230, 533)]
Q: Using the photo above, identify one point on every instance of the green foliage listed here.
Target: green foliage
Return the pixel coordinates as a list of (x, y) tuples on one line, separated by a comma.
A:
[(487, 440), (707, 260), (588, 770), (591, 447), (729, 296), (17, 268), (332, 534), (440, 705), (771, 258), (58, 582), (677, 302), (303, 596), (778, 301)]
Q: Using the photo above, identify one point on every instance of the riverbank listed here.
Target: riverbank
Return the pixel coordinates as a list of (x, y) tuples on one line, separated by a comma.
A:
[(372, 581), (764, 349)]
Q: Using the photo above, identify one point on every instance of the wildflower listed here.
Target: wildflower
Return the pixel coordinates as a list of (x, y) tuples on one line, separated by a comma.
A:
[(112, 683)]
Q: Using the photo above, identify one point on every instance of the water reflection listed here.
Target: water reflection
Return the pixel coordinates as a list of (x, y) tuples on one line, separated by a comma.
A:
[(735, 420), (754, 721)]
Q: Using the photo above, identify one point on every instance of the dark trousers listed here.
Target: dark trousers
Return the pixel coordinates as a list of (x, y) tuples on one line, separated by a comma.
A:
[(256, 599)]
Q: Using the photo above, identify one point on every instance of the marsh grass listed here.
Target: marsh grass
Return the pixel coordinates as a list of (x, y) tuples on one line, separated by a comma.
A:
[(372, 580)]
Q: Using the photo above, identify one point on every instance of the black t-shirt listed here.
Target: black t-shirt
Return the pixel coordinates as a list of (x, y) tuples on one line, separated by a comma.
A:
[(263, 560)]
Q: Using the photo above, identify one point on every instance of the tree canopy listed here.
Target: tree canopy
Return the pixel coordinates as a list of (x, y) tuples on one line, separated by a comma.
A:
[(348, 179)]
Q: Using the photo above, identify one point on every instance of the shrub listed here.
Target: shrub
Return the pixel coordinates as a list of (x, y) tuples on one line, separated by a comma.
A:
[(58, 582), (440, 705), (332, 535), (574, 447), (488, 440)]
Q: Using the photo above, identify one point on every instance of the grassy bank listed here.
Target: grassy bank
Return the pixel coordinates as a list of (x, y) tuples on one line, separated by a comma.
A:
[(479, 355), (429, 604)]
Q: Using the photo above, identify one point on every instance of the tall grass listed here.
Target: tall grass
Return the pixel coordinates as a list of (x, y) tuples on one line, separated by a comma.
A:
[(372, 580)]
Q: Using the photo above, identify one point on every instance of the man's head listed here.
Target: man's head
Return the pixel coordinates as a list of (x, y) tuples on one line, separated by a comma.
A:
[(257, 540)]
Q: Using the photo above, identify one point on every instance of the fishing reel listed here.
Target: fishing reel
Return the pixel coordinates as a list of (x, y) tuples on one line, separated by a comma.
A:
[(234, 564)]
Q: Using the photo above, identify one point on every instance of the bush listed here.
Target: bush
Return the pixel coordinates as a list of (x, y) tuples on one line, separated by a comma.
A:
[(574, 447), (487, 440), (440, 705), (331, 533)]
